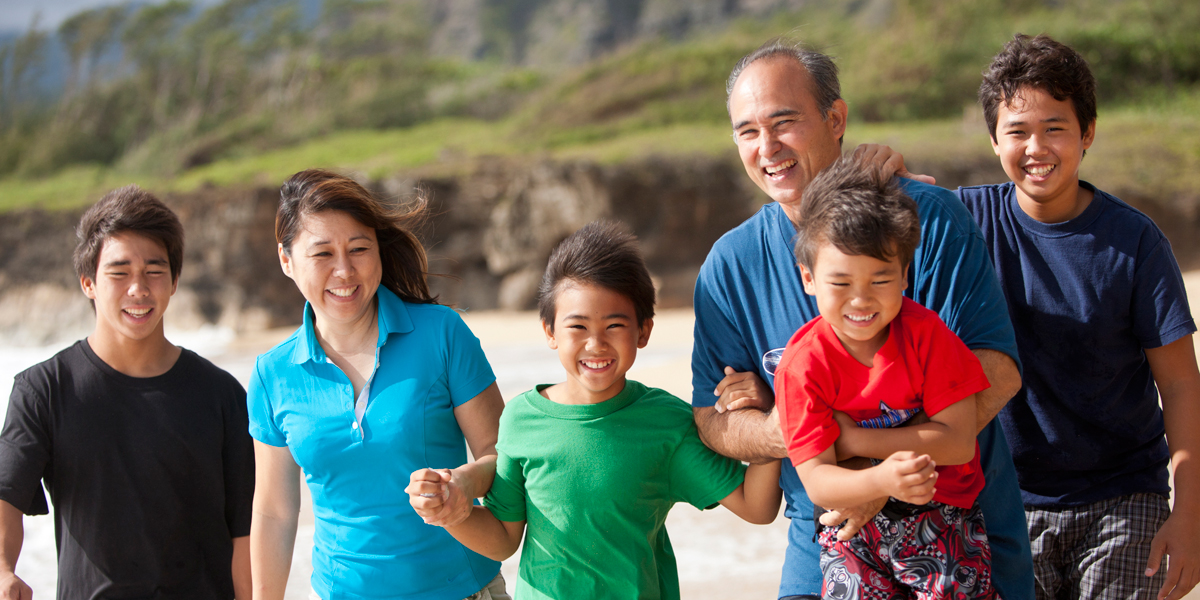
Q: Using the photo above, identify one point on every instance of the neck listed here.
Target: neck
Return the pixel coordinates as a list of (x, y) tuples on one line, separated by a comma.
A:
[(344, 339), (570, 393), (149, 357), (1058, 210), (864, 351)]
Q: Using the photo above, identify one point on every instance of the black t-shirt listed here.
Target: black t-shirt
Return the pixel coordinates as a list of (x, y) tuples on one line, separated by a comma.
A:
[(151, 478)]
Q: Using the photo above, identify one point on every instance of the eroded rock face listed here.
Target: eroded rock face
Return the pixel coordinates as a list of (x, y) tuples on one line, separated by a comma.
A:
[(490, 233)]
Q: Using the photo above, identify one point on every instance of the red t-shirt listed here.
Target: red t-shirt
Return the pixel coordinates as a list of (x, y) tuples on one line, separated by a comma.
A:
[(921, 366)]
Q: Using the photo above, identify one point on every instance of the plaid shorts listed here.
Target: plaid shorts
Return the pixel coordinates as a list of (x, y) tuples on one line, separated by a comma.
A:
[(937, 553), (1097, 551)]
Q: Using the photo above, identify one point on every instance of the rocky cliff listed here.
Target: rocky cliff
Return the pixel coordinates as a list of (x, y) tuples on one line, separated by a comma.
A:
[(492, 229)]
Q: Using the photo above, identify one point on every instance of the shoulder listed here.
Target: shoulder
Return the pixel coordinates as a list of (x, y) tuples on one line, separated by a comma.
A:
[(1126, 216), (733, 245), (203, 373), (974, 194), (806, 350), (662, 403), (939, 209), (56, 370), (435, 315), (280, 354)]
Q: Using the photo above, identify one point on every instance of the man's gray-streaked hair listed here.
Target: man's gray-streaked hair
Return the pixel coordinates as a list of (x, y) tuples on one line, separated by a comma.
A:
[(824, 73)]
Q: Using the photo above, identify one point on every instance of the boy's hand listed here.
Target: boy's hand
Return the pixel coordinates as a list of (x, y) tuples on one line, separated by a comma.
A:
[(855, 517), (743, 390), (1178, 538), (889, 162), (12, 588), (437, 497), (908, 477)]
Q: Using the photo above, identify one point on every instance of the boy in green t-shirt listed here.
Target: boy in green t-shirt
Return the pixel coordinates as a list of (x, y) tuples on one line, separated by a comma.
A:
[(588, 469)]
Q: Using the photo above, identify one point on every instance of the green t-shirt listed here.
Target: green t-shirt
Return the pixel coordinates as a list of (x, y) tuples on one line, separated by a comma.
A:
[(594, 483)]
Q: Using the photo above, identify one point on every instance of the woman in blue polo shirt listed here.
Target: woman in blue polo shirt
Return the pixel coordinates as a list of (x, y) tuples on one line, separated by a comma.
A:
[(379, 381)]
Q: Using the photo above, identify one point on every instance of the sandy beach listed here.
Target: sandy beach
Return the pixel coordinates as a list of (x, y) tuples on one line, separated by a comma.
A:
[(719, 556)]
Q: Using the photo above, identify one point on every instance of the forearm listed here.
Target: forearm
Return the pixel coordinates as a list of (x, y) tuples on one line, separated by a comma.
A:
[(757, 499), (832, 486), (1005, 380), (475, 478), (272, 540), (941, 442), (240, 569), (748, 435), (12, 535), (483, 533)]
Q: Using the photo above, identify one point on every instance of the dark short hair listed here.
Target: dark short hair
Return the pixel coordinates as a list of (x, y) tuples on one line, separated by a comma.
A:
[(128, 209), (602, 254), (822, 71), (1038, 63), (859, 210), (403, 258)]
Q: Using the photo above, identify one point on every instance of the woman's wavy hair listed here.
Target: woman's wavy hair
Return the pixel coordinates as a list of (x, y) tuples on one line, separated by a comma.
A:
[(405, 265)]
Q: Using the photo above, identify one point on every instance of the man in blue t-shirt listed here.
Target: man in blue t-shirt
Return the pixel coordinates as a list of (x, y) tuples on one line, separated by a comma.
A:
[(788, 120), (1101, 318)]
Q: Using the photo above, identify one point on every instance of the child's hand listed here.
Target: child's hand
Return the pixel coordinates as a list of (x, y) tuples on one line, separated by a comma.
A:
[(743, 390), (428, 490), (908, 477)]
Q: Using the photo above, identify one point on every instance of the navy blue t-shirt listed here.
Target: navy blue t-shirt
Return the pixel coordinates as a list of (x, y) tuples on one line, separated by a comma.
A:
[(1085, 296)]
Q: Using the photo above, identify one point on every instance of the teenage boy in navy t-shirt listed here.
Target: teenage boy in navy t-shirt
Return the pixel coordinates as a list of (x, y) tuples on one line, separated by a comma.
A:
[(1102, 319)]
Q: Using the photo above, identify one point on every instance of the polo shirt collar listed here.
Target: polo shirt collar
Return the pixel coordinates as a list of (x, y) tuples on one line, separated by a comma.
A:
[(393, 318)]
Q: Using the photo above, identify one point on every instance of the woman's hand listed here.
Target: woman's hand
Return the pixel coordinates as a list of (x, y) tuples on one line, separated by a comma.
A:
[(437, 497)]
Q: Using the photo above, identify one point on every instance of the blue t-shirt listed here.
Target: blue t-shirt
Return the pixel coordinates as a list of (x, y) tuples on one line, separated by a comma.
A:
[(368, 541), (749, 300), (1085, 296)]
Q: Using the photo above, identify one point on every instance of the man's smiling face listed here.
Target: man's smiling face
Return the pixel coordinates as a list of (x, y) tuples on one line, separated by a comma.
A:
[(782, 137)]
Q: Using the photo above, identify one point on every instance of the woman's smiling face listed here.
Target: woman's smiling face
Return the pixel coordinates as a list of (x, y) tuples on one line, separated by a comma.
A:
[(335, 263)]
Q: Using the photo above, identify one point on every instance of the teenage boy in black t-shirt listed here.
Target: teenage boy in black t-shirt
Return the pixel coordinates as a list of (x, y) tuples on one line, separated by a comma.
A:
[(142, 445)]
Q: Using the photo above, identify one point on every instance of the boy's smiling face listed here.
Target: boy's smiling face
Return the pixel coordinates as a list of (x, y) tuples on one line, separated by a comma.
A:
[(132, 287), (1040, 144), (597, 337), (857, 295)]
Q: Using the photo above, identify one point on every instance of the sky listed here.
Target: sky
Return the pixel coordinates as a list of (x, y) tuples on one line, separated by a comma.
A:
[(17, 14)]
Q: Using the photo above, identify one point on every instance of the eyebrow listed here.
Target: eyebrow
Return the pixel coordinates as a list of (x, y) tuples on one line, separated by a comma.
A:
[(1013, 122), (125, 263), (584, 317), (783, 112), (326, 242)]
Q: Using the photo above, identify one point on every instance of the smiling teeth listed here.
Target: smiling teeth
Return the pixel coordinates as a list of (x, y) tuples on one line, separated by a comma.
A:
[(861, 319), (1041, 171), (787, 164), (344, 292), (137, 312), (596, 364)]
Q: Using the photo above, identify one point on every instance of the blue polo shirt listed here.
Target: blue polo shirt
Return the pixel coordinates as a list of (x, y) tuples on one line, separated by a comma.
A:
[(368, 541)]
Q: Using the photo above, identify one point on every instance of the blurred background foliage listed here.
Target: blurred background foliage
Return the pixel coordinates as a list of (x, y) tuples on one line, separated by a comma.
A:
[(244, 91)]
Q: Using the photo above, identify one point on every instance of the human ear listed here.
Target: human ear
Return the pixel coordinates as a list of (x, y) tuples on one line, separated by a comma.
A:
[(838, 113), (285, 262), (644, 333), (88, 285), (810, 286), (1089, 135), (548, 329)]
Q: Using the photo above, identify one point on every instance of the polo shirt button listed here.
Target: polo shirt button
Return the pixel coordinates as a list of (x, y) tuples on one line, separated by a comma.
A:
[(355, 425)]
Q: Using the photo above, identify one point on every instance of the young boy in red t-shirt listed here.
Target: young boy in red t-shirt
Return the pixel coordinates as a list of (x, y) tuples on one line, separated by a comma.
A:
[(868, 364)]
